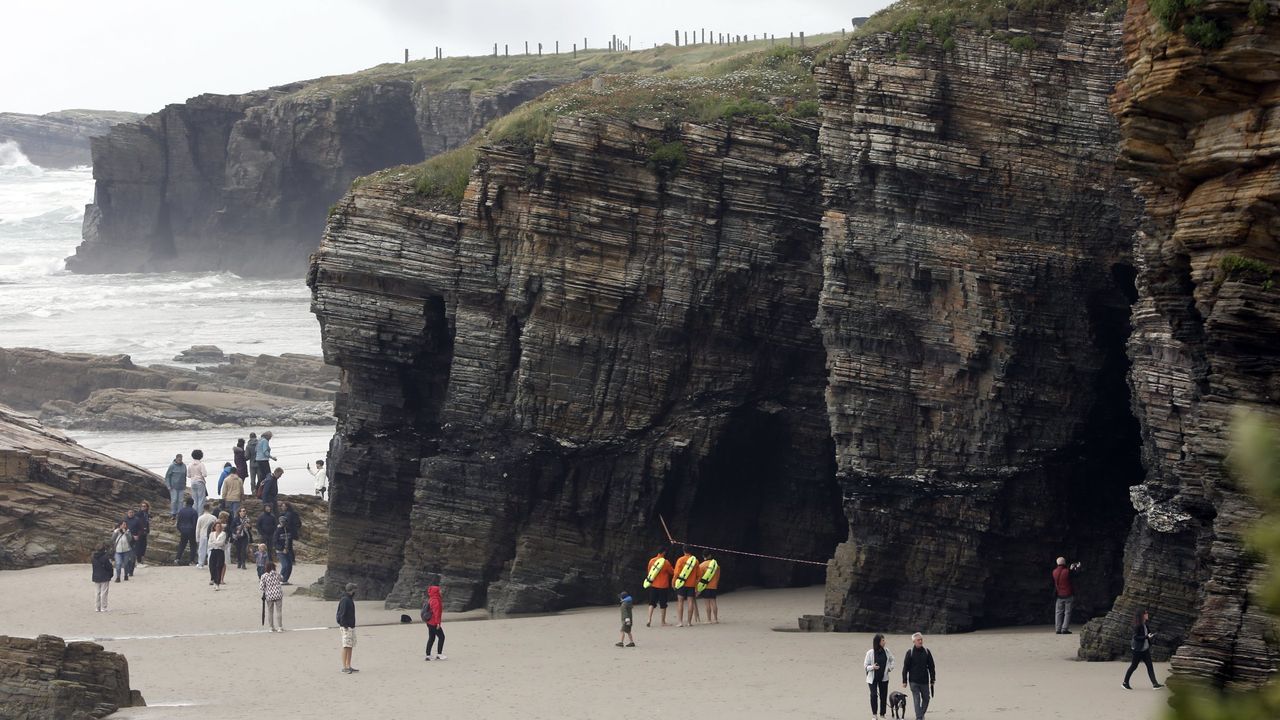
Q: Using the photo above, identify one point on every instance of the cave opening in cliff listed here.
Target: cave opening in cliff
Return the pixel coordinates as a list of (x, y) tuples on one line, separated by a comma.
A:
[(768, 487)]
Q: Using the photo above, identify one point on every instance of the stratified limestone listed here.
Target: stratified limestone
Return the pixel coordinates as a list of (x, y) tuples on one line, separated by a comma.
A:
[(59, 139), (48, 679), (586, 344), (60, 501), (1201, 132), (975, 305), (244, 182)]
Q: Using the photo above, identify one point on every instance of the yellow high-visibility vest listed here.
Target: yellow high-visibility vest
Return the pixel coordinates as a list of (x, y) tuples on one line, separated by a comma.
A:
[(654, 569), (685, 572), (710, 572)]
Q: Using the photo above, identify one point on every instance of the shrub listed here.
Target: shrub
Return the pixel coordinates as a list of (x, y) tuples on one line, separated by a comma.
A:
[(1023, 43), (1208, 33), (447, 174), (1235, 266), (805, 109), (1258, 11), (666, 159)]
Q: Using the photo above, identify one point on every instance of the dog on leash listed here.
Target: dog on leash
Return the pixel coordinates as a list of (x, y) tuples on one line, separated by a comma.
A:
[(898, 704)]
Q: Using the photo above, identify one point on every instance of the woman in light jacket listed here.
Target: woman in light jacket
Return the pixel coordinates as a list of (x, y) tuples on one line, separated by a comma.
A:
[(217, 555), (878, 664)]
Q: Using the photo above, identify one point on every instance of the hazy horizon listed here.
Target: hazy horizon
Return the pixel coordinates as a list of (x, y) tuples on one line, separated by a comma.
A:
[(140, 55)]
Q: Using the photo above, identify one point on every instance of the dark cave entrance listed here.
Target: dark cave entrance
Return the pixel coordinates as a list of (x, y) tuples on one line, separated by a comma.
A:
[(768, 486)]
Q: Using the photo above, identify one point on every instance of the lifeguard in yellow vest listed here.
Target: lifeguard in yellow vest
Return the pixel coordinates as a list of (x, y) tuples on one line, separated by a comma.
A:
[(709, 584), (684, 582), (658, 581)]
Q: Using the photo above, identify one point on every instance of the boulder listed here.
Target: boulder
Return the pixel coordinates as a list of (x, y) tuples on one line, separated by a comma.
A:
[(48, 679)]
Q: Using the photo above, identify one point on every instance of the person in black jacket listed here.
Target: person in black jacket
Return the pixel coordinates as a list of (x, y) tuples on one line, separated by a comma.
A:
[(271, 486), (144, 515), (1141, 647), (267, 530), (102, 575), (918, 671), (186, 523), (347, 622)]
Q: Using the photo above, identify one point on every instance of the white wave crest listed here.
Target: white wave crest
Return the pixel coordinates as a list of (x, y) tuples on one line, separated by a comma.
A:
[(14, 162)]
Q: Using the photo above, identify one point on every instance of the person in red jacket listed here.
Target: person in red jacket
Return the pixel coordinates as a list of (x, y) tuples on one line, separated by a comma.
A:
[(432, 614), (658, 579), (1064, 595)]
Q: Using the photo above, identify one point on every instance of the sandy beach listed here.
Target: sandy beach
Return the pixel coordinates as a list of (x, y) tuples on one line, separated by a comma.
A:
[(193, 652)]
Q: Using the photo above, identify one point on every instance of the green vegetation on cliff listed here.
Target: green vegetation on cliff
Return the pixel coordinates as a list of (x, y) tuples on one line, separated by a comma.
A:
[(907, 17)]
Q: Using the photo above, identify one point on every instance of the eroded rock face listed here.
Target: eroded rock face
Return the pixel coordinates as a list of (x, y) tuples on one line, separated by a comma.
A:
[(244, 182), (60, 501), (586, 344), (59, 139), (47, 678), (1201, 133), (974, 309)]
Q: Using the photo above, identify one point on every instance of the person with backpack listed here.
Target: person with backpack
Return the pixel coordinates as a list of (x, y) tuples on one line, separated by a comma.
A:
[(1141, 647), (684, 582), (708, 586), (432, 611), (919, 672), (658, 582)]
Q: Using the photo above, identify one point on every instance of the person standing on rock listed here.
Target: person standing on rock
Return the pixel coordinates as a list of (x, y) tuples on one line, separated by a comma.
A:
[(241, 535), (263, 457), (1141, 647), (919, 672), (186, 524), (239, 459), (251, 453), (658, 580), (270, 487), (197, 474), (203, 526), (347, 621), (175, 478), (266, 529), (227, 469), (121, 545), (878, 664), (233, 492), (273, 595), (1064, 595), (144, 514), (102, 575), (322, 478)]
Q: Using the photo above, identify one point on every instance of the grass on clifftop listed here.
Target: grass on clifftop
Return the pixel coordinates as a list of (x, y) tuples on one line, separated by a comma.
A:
[(906, 17)]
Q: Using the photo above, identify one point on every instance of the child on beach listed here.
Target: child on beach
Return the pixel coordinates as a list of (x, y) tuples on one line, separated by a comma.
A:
[(627, 639), (260, 556)]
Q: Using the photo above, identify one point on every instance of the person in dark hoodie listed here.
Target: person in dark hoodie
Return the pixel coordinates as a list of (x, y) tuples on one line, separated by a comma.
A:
[(240, 459), (144, 514), (347, 622), (186, 524), (102, 575), (283, 542), (271, 486), (267, 529), (433, 612)]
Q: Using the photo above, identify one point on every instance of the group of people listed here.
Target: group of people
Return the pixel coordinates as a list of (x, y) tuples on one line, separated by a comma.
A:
[(690, 579), (122, 553), (250, 461), (918, 673)]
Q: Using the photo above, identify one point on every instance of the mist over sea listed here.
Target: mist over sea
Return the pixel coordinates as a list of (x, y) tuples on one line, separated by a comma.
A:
[(148, 316)]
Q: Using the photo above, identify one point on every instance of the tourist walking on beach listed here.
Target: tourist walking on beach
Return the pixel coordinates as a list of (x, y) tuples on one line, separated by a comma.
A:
[(878, 664), (1064, 595), (267, 528), (197, 474), (101, 563), (251, 454), (186, 523), (283, 541), (658, 580), (625, 603), (241, 533), (233, 492), (240, 459), (1141, 647), (175, 478), (203, 525), (919, 673), (708, 586), (273, 595), (270, 487), (322, 478), (685, 568), (217, 555), (347, 622), (122, 545), (144, 516), (434, 608), (263, 457)]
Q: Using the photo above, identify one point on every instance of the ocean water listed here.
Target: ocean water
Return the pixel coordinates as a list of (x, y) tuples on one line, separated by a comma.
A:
[(148, 316)]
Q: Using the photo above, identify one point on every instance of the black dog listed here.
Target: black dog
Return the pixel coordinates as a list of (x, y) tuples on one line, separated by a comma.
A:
[(898, 704)]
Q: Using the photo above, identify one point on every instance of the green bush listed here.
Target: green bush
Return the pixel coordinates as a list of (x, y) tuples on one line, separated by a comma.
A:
[(666, 159), (1236, 266), (1258, 11), (1208, 33), (1023, 43), (446, 175), (805, 109)]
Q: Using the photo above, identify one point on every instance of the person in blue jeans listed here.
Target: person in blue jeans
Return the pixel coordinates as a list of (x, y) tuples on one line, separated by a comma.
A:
[(262, 456), (284, 548), (186, 524), (175, 478), (122, 546)]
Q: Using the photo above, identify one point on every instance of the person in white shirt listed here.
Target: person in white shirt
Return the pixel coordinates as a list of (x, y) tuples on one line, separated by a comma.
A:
[(321, 476), (217, 555), (202, 536)]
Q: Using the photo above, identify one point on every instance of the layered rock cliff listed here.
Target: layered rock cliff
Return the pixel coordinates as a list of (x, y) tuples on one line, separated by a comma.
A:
[(586, 343), (244, 182), (59, 139), (46, 677), (974, 312), (1201, 133)]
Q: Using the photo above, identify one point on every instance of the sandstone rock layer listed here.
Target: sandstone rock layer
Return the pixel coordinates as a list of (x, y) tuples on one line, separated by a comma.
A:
[(46, 679)]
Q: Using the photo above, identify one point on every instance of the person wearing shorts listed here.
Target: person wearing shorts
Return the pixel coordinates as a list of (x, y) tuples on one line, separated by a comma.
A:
[(347, 622), (658, 580)]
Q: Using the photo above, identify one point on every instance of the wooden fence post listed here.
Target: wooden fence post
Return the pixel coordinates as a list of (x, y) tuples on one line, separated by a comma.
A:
[(801, 38)]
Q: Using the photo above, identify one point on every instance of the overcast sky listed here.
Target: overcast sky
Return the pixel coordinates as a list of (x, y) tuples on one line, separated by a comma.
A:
[(143, 54)]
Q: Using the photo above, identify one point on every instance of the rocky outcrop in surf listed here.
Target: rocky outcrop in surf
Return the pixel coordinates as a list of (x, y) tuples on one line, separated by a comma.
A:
[(59, 139)]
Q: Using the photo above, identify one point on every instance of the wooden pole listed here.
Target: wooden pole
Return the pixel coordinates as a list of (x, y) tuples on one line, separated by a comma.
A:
[(495, 49), (539, 49), (801, 38), (406, 55), (506, 50), (575, 49), (557, 47), (677, 38), (526, 47)]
